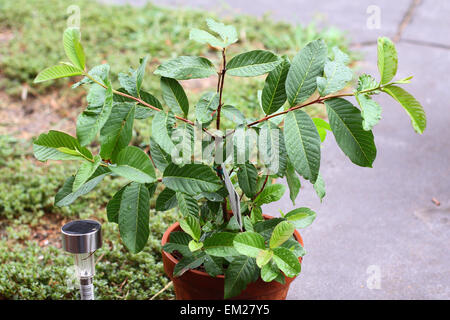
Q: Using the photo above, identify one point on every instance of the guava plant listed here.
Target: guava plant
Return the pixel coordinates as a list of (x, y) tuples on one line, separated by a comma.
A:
[(208, 173)]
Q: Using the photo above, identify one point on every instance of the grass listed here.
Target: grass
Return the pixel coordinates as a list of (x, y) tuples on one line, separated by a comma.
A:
[(33, 267)]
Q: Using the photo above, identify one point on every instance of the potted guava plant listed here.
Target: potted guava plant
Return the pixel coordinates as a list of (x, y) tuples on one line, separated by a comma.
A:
[(223, 245)]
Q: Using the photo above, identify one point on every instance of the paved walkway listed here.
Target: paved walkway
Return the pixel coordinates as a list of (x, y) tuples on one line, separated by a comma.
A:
[(379, 221)]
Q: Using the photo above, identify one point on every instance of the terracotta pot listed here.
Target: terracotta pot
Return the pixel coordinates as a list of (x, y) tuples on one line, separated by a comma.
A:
[(198, 285)]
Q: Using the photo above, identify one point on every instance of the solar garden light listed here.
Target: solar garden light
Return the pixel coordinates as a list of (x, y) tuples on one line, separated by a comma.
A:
[(82, 238)]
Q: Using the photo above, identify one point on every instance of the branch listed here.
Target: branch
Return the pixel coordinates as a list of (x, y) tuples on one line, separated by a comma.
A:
[(220, 86)]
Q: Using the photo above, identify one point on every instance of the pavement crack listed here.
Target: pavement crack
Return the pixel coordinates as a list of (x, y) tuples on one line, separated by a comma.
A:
[(406, 19)]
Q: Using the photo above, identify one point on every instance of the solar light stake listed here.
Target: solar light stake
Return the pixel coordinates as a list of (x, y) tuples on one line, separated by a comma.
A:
[(82, 238)]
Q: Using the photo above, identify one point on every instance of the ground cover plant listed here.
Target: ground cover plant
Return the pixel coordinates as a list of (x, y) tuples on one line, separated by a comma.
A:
[(207, 172)]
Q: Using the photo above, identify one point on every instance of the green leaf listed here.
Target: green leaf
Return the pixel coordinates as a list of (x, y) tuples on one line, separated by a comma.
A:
[(370, 111), (187, 263), (300, 217), (207, 104), (306, 66), (94, 118), (249, 243), (191, 178), (73, 48), (346, 124), (213, 265), (248, 225), (174, 96), (134, 216), (319, 187), (387, 59), (162, 127), (233, 114), (202, 36), (220, 244), (86, 170), (247, 177), (56, 145), (266, 227), (113, 206), (56, 72), (269, 272), (337, 74), (293, 182), (322, 127), (264, 257), (253, 63), (227, 32), (302, 144), (241, 271), (271, 193), (117, 132), (294, 246), (286, 261), (66, 195), (187, 204), (143, 111), (256, 215), (166, 200), (160, 158), (186, 67), (367, 83), (140, 72), (411, 106), (274, 93), (178, 241), (281, 233), (191, 226), (195, 246), (135, 165)]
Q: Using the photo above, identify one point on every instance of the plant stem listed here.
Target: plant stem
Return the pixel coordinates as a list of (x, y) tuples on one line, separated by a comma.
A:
[(262, 188), (220, 86)]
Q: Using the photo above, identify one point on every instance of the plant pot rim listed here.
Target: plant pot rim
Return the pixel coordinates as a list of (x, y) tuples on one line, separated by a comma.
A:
[(176, 225)]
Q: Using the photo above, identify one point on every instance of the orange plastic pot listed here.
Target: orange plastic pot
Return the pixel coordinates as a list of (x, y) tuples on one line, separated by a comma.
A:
[(198, 285)]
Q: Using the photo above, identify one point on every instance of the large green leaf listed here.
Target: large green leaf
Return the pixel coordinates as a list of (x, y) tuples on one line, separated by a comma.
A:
[(73, 48), (370, 111), (93, 118), (66, 195), (249, 243), (191, 225), (346, 124), (253, 63), (274, 93), (241, 271), (203, 36), (166, 200), (213, 265), (220, 244), (286, 261), (174, 96), (113, 206), (300, 217), (247, 177), (302, 144), (337, 74), (134, 216), (281, 233), (187, 204), (387, 59), (191, 178), (56, 145), (227, 32), (186, 67), (264, 257), (178, 241), (207, 104), (162, 127), (271, 193), (117, 131), (270, 272), (306, 66), (85, 170), (411, 106), (293, 182), (265, 227), (56, 72), (135, 165)]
